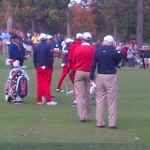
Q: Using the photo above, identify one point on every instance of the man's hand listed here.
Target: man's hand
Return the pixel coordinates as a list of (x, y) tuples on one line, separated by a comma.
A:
[(91, 82)]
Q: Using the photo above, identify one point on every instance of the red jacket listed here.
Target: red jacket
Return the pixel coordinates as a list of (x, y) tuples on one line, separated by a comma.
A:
[(83, 57), (71, 54)]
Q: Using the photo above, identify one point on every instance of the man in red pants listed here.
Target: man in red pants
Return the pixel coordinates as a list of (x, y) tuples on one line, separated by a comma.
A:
[(43, 62), (65, 66)]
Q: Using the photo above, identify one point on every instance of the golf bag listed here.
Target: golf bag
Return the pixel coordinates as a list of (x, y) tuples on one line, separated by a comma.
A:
[(16, 87)]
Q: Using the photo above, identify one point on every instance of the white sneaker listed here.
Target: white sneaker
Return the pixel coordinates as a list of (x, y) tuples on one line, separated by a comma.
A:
[(52, 103), (74, 103), (60, 90)]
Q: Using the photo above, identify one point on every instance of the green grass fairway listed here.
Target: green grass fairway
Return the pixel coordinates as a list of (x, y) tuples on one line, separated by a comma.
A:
[(33, 127)]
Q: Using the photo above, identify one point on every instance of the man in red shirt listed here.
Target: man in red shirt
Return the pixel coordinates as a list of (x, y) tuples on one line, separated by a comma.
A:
[(83, 58), (77, 43)]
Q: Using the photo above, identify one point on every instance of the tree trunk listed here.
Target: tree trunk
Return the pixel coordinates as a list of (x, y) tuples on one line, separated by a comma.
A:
[(115, 29), (9, 17), (139, 30), (68, 22), (32, 26), (9, 23)]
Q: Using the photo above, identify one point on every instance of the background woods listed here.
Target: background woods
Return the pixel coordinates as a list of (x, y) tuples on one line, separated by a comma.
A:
[(125, 19)]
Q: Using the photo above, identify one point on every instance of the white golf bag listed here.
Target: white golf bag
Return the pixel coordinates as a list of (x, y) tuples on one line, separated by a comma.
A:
[(16, 87)]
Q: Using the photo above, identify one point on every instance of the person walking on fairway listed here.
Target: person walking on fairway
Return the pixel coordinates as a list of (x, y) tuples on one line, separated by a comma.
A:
[(106, 59)]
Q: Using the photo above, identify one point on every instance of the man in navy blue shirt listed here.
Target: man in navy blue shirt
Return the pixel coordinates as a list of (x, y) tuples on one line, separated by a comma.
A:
[(43, 62), (106, 59), (14, 51)]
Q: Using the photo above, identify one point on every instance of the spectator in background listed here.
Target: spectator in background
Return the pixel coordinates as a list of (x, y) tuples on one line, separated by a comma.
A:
[(57, 48), (56, 43), (124, 52), (43, 62), (59, 41), (136, 54), (130, 57), (5, 37), (35, 39), (147, 56), (106, 59), (83, 56), (142, 56), (28, 41), (1, 45), (148, 48)]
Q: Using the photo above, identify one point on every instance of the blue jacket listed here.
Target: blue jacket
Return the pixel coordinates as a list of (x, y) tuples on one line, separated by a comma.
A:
[(106, 58), (43, 55), (15, 53)]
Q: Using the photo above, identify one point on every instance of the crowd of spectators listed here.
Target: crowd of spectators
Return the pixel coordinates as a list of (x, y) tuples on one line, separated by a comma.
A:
[(27, 41), (133, 56)]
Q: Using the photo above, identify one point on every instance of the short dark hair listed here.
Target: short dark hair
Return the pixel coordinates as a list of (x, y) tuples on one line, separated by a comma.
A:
[(14, 36)]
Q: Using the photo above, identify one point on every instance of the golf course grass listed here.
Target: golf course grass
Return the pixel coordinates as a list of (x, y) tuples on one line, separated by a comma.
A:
[(32, 127)]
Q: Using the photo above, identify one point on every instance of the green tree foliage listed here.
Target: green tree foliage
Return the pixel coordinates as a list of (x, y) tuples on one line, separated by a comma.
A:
[(117, 17), (34, 14)]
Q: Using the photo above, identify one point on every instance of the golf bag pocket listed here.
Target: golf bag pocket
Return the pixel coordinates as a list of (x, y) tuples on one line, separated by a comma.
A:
[(22, 87)]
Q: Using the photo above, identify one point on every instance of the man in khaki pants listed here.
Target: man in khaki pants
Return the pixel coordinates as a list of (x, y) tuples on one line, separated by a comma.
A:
[(83, 56), (106, 58)]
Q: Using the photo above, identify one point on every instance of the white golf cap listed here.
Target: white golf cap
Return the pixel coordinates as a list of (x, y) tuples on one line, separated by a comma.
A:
[(43, 36), (109, 39), (69, 40), (87, 36), (79, 36), (49, 36)]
